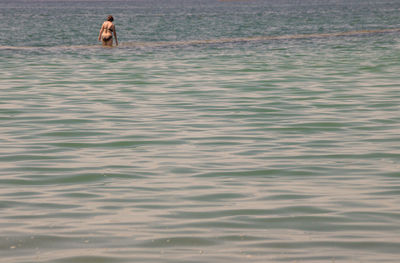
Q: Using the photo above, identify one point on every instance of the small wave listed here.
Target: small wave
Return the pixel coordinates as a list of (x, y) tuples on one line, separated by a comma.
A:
[(259, 38), (210, 41), (179, 241), (35, 48)]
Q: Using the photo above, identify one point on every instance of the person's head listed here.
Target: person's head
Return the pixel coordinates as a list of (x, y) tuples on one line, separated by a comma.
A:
[(110, 18)]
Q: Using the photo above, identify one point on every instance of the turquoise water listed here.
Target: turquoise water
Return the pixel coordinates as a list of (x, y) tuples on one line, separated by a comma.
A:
[(218, 131)]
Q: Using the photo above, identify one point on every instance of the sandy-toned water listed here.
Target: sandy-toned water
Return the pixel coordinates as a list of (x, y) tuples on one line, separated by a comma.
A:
[(218, 131)]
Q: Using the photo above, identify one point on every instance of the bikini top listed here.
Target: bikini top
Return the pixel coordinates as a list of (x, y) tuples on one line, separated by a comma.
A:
[(110, 28)]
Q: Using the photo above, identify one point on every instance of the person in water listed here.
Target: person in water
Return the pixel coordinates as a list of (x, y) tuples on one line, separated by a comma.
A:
[(107, 31)]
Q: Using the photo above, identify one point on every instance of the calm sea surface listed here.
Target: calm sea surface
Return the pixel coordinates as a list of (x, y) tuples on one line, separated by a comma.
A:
[(218, 131)]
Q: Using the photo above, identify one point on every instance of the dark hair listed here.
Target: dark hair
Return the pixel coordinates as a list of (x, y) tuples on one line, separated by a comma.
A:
[(110, 18)]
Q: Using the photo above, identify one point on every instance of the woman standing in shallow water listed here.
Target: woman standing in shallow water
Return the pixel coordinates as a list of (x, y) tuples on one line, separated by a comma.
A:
[(106, 32)]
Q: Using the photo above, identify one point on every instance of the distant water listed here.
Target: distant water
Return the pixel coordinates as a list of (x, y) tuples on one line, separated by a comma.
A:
[(218, 131)]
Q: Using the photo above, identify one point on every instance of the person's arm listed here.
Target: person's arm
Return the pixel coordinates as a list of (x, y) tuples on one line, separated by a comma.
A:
[(115, 35), (101, 31)]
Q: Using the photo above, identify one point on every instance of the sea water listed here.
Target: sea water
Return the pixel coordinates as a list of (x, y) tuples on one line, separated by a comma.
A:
[(217, 131)]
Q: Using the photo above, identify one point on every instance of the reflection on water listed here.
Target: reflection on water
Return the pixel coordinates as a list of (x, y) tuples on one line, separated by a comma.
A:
[(246, 148)]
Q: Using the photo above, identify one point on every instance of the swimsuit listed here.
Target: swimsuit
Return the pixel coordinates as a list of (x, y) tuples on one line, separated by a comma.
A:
[(106, 38)]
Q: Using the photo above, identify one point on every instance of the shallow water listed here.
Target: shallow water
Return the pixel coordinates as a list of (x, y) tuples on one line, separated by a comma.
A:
[(216, 132)]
